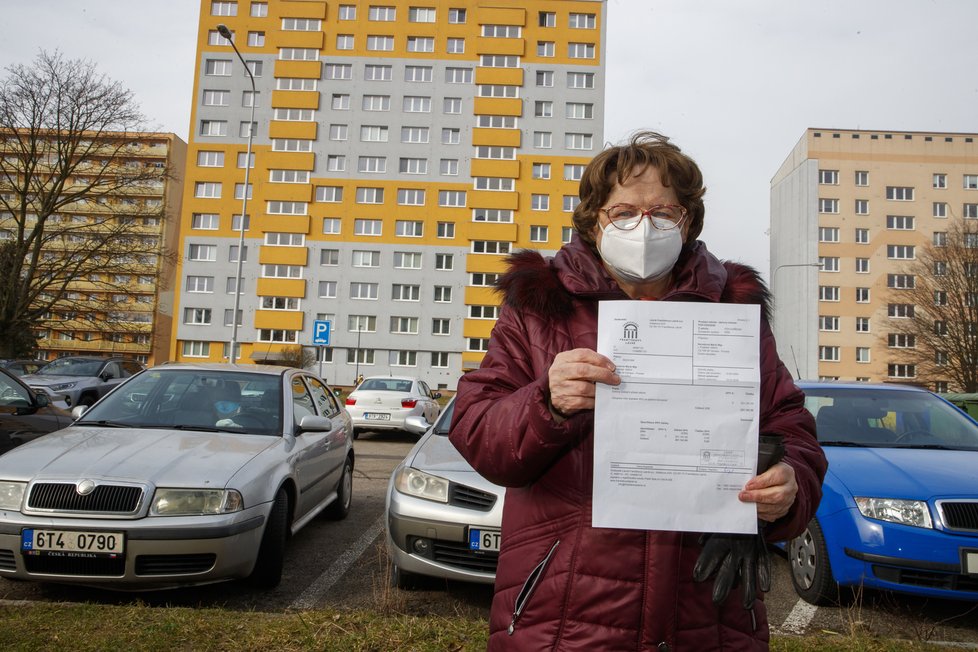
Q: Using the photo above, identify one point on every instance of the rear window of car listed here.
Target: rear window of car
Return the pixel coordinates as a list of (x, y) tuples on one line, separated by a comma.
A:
[(386, 385)]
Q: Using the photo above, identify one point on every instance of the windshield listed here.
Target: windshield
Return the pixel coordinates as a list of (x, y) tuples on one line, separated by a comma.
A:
[(72, 367), (888, 418), (193, 399), (386, 385)]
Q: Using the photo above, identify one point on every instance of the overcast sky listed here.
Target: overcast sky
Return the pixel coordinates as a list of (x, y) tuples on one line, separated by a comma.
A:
[(734, 83)]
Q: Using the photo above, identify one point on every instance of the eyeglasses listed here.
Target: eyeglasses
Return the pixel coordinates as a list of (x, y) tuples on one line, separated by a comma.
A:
[(664, 217)]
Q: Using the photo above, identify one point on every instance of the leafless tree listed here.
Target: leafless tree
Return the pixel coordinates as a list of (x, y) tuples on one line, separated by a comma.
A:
[(940, 336), (297, 356), (79, 225)]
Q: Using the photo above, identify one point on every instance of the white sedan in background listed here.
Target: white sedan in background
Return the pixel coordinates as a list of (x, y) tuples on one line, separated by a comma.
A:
[(384, 402)]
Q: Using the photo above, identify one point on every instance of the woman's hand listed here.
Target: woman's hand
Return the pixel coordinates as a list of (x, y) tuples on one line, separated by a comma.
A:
[(572, 378), (774, 491)]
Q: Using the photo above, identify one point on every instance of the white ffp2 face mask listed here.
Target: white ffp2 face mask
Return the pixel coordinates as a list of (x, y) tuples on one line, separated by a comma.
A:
[(643, 254)]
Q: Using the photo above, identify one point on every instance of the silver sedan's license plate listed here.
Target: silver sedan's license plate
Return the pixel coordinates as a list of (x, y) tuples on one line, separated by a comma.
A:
[(484, 540), (376, 416), (72, 541)]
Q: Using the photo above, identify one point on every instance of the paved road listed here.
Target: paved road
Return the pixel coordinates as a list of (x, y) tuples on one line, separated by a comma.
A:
[(344, 565)]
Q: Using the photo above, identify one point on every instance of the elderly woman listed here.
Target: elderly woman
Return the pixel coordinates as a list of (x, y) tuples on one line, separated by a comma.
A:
[(525, 420)]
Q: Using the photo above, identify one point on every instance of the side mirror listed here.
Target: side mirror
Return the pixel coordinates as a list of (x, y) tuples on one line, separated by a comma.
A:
[(313, 423), (416, 424), (336, 393), (78, 411), (436, 395), (41, 399)]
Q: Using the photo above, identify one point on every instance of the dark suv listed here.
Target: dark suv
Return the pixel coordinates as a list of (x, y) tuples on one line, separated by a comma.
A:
[(80, 380)]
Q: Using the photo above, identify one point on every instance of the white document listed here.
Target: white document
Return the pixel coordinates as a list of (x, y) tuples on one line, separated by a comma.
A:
[(676, 442)]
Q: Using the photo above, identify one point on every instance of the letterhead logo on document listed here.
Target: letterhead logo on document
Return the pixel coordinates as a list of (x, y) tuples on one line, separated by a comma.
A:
[(630, 331)]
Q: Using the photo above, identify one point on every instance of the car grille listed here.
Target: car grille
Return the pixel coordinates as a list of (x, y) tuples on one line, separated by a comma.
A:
[(7, 560), (460, 556), (174, 564), (470, 498), (959, 515), (105, 499), (926, 578), (84, 566)]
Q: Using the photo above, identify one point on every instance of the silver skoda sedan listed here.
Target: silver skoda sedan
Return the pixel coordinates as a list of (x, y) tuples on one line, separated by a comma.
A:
[(443, 518), (185, 474)]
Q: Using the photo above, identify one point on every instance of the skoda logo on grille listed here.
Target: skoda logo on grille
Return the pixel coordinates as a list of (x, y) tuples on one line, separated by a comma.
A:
[(85, 487)]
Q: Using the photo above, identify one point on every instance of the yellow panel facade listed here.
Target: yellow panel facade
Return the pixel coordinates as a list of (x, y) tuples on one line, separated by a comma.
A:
[(288, 192), (506, 76), (515, 46), (289, 160), (283, 256), (501, 16), (281, 287), (477, 327), (486, 264), (296, 99), (300, 9), (490, 199), (492, 231), (496, 137), (482, 296), (498, 106), (278, 319), (300, 69), (288, 129), (495, 168), (283, 223)]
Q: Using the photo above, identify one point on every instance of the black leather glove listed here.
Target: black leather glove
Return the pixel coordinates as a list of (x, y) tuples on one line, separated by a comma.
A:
[(740, 558)]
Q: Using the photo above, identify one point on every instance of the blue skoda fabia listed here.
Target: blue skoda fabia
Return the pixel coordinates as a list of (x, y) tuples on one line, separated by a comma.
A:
[(900, 501)]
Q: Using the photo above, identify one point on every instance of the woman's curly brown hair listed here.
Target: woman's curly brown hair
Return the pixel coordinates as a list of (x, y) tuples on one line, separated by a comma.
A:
[(616, 164)]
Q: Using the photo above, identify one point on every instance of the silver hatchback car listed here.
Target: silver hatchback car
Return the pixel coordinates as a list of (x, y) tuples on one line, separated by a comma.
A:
[(185, 474), (443, 518)]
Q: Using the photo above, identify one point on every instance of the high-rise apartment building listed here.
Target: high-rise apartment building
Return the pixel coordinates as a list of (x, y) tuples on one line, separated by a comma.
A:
[(851, 210), (401, 151), (110, 279)]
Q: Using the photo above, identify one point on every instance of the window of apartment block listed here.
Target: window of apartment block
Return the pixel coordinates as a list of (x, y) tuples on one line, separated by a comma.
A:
[(901, 370), (382, 14), (901, 281), (451, 105), (862, 295), (223, 8), (862, 178), (862, 236), (455, 45), (545, 48), (579, 110), (539, 233), (828, 323), (828, 263), (940, 180), (971, 182), (899, 193), (363, 291), (828, 177), (367, 227), (217, 67), (862, 207), (456, 16), (828, 293), (580, 80), (828, 353), (329, 257), (901, 341), (256, 39), (828, 234), (862, 324), (862, 354), (259, 9), (541, 170), (900, 222), (444, 262), (365, 258), (402, 292), (347, 12), (969, 211), (580, 50), (828, 205), (939, 238), (544, 78), (900, 252), (446, 230)]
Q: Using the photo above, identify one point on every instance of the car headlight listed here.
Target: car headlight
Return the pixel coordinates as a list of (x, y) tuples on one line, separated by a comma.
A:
[(896, 510), (60, 387), (11, 494), (413, 482), (195, 502)]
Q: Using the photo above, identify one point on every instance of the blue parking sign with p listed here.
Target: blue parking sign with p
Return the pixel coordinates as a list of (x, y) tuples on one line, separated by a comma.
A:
[(320, 332)]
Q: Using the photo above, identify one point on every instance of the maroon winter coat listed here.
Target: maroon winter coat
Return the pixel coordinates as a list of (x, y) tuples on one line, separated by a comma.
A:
[(594, 588)]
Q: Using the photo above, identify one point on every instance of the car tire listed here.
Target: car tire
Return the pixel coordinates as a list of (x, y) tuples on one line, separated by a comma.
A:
[(405, 580), (340, 507), (271, 554), (811, 571)]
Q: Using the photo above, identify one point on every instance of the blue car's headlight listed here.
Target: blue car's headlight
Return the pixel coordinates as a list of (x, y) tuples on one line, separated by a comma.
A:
[(895, 510), (423, 485)]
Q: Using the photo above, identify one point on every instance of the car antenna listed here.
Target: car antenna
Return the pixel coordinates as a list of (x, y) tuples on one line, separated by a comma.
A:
[(797, 369)]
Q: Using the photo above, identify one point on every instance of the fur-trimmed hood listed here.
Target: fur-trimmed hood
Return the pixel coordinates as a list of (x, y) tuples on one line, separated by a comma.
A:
[(550, 286)]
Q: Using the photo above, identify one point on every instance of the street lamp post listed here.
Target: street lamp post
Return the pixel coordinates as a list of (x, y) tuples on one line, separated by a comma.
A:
[(233, 354)]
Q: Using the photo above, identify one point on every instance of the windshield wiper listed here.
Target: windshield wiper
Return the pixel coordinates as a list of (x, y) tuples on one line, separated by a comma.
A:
[(850, 444), (104, 423), (936, 447), (235, 431)]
